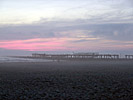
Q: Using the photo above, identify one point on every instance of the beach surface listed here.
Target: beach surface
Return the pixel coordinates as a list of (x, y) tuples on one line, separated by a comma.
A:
[(67, 80)]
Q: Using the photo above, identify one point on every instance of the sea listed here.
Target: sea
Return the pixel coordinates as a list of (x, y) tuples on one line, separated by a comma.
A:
[(12, 59)]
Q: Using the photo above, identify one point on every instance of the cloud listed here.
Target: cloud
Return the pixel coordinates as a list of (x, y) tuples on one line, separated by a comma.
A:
[(67, 35), (34, 44), (121, 32), (65, 44), (72, 29), (106, 25)]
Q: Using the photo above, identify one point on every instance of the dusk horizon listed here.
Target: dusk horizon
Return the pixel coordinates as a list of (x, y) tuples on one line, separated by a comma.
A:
[(66, 49), (66, 26)]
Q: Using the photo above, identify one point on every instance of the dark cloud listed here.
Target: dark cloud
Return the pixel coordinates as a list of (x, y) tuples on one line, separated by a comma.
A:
[(57, 28), (128, 3), (123, 32), (114, 31), (25, 32), (78, 41)]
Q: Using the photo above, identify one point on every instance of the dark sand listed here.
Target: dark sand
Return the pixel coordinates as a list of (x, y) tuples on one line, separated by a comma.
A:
[(67, 80)]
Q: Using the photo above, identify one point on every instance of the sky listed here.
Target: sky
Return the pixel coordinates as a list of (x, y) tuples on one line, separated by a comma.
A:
[(66, 26)]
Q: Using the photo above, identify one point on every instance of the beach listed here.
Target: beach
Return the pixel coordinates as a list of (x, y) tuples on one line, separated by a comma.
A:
[(67, 80)]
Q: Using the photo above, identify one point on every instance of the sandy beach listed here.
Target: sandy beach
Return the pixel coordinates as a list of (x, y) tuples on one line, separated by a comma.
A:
[(67, 80)]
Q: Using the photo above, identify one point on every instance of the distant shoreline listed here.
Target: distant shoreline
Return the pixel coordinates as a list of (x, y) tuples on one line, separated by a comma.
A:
[(74, 59)]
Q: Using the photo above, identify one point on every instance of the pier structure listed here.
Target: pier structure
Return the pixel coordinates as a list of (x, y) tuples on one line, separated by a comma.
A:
[(77, 56), (128, 56), (38, 55), (108, 56)]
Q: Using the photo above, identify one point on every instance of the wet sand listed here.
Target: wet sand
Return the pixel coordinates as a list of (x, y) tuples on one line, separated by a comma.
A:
[(67, 80)]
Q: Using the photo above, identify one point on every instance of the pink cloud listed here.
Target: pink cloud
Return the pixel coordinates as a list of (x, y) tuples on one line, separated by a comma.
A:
[(64, 44), (38, 44)]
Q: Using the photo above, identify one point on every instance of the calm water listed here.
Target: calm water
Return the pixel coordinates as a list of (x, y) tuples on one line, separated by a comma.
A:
[(11, 59)]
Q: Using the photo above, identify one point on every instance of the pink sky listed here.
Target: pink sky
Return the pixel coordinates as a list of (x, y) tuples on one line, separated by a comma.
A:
[(33, 44), (63, 44)]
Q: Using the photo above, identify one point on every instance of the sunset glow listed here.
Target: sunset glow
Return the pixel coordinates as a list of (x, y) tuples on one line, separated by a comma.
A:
[(63, 44), (66, 25)]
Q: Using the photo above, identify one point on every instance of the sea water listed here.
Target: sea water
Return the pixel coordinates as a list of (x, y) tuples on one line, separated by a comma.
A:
[(12, 59)]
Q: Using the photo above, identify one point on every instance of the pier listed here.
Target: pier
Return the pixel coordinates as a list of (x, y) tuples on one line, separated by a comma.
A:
[(129, 56), (77, 56), (81, 56)]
